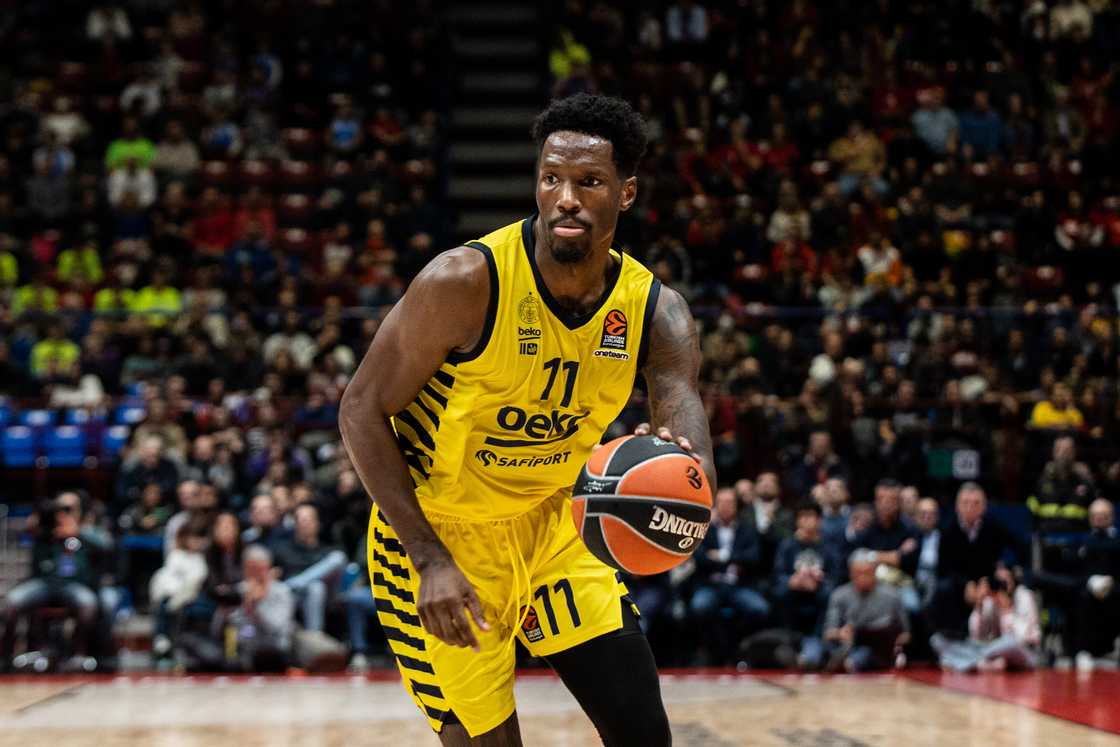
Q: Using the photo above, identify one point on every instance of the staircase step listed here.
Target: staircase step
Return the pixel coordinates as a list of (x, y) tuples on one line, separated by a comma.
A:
[(511, 186), (470, 14), (475, 223), (516, 154), (501, 82), (490, 47)]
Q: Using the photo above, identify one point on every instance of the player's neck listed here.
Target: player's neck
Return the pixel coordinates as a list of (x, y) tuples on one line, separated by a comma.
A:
[(578, 286)]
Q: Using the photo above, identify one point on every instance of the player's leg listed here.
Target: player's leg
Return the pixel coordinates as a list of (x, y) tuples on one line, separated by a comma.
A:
[(614, 679), (506, 734)]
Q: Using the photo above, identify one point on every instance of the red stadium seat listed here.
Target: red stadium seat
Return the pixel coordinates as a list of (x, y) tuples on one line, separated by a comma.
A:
[(215, 174), (298, 241), (300, 141), (256, 173), (295, 210), (298, 176)]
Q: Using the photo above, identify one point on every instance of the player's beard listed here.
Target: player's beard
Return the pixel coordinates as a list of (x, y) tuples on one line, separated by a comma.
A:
[(571, 251)]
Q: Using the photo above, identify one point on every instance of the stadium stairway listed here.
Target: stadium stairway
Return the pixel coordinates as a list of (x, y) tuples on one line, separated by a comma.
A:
[(501, 70)]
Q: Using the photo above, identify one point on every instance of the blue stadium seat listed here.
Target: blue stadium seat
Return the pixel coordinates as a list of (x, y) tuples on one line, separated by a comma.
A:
[(82, 416), (18, 446), (65, 446), (129, 414), (5, 414), (113, 440), (37, 418)]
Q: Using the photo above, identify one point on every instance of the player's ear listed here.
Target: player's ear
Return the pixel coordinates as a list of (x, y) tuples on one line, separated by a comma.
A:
[(629, 193)]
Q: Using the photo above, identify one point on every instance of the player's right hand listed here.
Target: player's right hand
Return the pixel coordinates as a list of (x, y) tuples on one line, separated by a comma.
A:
[(445, 597)]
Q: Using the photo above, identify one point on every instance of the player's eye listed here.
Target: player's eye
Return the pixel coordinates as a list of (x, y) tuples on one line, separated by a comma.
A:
[(592, 181), (550, 179)]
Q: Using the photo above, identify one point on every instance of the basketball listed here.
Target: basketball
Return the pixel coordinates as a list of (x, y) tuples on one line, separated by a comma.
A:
[(641, 504)]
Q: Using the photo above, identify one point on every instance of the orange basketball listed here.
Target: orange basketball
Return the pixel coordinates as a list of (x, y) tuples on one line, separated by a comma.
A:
[(641, 504)]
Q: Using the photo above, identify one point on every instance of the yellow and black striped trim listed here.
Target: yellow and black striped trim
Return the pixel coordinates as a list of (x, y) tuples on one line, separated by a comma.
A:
[(417, 424)]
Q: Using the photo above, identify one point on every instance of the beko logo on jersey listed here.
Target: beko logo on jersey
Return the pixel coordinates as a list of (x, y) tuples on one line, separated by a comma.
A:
[(690, 531), (540, 428), (527, 340), (490, 459)]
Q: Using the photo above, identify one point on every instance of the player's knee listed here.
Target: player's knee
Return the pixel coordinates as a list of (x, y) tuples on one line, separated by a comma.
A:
[(635, 722)]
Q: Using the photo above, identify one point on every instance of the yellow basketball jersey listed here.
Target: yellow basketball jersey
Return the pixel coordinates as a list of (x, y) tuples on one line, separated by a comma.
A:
[(503, 427)]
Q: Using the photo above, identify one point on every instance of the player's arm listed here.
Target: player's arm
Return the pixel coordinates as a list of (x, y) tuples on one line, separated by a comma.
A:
[(672, 373), (444, 310)]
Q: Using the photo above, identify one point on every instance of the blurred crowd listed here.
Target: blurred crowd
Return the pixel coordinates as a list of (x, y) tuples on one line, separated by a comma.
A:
[(893, 221)]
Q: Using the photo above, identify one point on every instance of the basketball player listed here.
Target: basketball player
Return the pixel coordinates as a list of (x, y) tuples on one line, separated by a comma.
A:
[(479, 400)]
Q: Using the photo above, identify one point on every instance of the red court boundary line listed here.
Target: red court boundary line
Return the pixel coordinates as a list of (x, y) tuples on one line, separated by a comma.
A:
[(1088, 699)]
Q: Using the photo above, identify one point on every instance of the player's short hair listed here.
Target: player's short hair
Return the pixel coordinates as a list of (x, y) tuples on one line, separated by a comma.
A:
[(612, 119)]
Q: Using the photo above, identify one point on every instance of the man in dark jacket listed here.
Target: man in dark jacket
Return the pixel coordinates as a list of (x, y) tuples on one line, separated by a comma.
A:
[(311, 569), (971, 549), (806, 570), (727, 567), (1098, 609), (64, 573)]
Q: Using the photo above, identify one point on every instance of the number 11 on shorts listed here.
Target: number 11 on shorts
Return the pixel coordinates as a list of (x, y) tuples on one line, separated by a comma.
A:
[(542, 593)]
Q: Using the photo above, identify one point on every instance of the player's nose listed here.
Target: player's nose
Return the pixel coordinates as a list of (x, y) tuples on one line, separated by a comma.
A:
[(568, 199)]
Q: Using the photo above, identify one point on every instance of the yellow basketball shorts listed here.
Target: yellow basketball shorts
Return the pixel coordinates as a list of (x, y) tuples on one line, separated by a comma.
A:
[(537, 582)]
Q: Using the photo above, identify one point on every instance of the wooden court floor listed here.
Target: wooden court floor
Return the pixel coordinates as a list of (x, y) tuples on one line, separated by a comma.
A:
[(706, 709)]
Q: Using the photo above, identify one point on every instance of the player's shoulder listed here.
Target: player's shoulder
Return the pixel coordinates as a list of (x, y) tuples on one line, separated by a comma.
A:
[(462, 273), (671, 315)]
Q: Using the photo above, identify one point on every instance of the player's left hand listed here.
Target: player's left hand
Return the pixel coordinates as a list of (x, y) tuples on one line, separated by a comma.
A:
[(644, 429)]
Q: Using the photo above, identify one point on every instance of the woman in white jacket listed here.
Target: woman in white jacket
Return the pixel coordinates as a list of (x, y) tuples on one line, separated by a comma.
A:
[(1003, 630)]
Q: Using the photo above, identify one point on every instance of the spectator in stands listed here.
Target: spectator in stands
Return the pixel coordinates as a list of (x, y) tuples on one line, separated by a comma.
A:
[(177, 583), (263, 624), (860, 520), (223, 568), (820, 463), (895, 542), (1057, 413), (361, 610), (1003, 630), (150, 467), (766, 516), (265, 525), (728, 570), (972, 547), (927, 518), (310, 569), (108, 23), (176, 156), (865, 622), (48, 196), (64, 563), (130, 180), (1065, 490), (1098, 607), (53, 353), (934, 123), (157, 422), (149, 515), (981, 127), (130, 146), (861, 158), (806, 571), (835, 509)]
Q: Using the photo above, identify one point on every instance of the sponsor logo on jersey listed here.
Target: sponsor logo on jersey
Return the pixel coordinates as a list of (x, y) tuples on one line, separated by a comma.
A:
[(489, 458), (616, 355), (614, 330), (531, 626), (688, 531), (527, 338), (538, 429), (528, 310)]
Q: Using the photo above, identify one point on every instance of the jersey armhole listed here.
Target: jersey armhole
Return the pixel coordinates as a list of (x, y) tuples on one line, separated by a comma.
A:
[(647, 322), (455, 356)]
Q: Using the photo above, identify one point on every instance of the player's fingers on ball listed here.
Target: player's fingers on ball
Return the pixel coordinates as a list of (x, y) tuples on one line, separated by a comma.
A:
[(642, 429), (664, 434), (684, 443)]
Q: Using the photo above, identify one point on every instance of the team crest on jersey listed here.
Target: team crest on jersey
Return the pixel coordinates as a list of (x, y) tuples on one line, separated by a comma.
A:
[(528, 310), (531, 626)]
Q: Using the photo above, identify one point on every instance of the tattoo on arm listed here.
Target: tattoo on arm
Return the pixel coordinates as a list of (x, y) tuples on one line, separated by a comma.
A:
[(672, 372)]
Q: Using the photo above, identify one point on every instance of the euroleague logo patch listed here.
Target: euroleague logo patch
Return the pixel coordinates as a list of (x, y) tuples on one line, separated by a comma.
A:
[(531, 626), (615, 327)]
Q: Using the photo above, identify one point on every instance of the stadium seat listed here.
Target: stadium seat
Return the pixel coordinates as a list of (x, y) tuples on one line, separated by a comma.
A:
[(255, 173), (129, 414), (82, 416), (113, 440), (297, 241), (300, 141), (18, 446), (295, 210), (5, 414), (65, 446), (298, 176), (215, 174), (37, 418)]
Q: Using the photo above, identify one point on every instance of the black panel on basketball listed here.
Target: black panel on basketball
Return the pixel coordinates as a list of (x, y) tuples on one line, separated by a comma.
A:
[(637, 450), (667, 524), (586, 484), (592, 533)]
